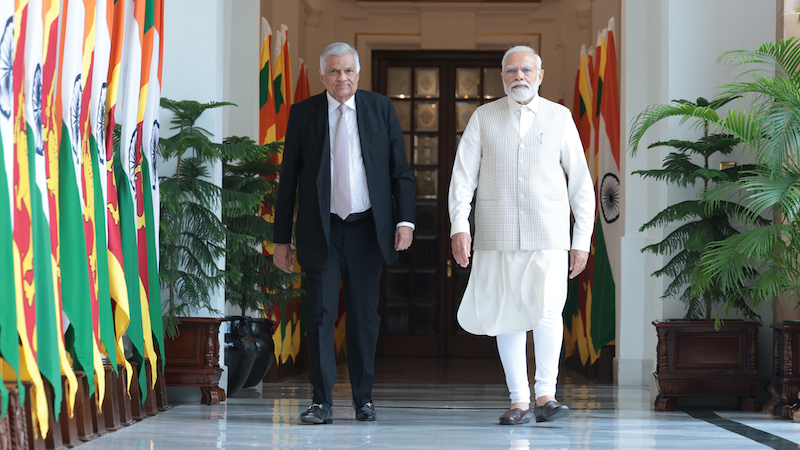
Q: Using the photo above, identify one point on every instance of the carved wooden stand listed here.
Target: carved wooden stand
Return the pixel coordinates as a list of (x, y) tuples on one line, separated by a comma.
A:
[(193, 358), (786, 368), (14, 427), (695, 360)]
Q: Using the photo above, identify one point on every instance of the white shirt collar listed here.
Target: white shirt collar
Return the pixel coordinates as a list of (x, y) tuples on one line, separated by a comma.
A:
[(333, 103), (533, 105)]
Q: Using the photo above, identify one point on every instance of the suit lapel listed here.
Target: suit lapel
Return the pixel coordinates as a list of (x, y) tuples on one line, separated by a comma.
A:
[(364, 131), (324, 175)]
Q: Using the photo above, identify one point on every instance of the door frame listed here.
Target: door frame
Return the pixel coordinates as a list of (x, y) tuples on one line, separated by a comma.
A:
[(447, 342)]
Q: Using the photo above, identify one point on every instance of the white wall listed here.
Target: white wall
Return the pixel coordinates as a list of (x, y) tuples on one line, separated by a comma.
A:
[(193, 70), (669, 50)]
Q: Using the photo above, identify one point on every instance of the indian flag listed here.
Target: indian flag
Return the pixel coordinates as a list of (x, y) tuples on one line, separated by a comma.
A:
[(142, 185), (118, 287), (88, 171), (609, 233), (9, 339), (126, 183), (149, 152), (98, 155)]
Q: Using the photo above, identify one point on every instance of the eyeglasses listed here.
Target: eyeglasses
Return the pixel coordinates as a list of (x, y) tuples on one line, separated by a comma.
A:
[(527, 71)]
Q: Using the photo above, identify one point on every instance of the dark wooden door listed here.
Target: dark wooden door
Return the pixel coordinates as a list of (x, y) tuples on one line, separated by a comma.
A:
[(434, 94)]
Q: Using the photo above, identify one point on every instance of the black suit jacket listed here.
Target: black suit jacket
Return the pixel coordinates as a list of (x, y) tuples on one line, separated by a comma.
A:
[(306, 170)]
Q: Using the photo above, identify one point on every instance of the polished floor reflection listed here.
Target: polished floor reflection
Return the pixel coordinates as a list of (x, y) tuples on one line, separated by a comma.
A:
[(440, 404)]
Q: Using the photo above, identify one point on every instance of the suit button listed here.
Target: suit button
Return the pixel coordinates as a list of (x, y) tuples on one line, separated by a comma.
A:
[(522, 213), (520, 178), (521, 195), (521, 145)]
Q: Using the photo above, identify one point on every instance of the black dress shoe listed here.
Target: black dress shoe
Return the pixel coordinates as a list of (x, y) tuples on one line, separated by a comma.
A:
[(550, 411), (516, 416), (316, 414), (365, 412)]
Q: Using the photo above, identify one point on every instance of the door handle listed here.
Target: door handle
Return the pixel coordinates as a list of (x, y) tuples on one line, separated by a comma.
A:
[(449, 268)]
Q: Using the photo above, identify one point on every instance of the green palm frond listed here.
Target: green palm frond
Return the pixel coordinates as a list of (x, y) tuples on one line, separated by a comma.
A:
[(677, 267), (673, 213), (656, 113), (674, 241), (783, 56)]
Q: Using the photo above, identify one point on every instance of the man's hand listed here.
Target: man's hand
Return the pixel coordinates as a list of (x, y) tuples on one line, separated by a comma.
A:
[(461, 243), (577, 262), (403, 236), (283, 257)]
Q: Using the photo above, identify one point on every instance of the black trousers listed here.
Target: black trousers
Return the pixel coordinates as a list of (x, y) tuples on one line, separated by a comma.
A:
[(353, 255)]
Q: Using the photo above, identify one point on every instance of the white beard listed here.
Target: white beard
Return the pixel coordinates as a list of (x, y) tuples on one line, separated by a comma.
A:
[(524, 94)]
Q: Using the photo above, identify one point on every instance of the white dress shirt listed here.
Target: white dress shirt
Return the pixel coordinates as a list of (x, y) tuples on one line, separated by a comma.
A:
[(359, 188)]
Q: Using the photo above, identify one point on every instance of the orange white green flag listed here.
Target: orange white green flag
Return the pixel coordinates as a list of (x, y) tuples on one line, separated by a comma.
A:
[(149, 151), (9, 339), (23, 232), (126, 174), (98, 154), (141, 184), (118, 287), (608, 234)]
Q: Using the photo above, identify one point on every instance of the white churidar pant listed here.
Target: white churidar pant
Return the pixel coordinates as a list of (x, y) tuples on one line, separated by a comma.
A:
[(509, 293)]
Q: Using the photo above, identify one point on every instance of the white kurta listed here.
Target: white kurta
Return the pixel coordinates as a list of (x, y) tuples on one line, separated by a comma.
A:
[(520, 264), (506, 291)]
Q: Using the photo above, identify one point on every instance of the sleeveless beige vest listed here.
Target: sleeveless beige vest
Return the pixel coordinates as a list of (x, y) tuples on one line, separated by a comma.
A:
[(521, 199)]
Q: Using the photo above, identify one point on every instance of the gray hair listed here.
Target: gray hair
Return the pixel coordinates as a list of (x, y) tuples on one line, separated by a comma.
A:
[(338, 49), (521, 48)]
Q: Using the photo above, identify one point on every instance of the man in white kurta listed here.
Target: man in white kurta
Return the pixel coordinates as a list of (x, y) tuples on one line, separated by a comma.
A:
[(522, 158)]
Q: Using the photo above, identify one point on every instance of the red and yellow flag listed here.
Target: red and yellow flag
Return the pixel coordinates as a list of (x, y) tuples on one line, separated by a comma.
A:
[(51, 126), (266, 96), (87, 181), (24, 282), (303, 91), (282, 83)]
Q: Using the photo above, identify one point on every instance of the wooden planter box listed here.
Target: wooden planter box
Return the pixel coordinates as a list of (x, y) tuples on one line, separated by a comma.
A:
[(695, 360), (786, 367), (192, 358)]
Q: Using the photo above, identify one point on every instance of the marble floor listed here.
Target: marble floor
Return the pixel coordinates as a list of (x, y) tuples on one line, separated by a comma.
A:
[(446, 404)]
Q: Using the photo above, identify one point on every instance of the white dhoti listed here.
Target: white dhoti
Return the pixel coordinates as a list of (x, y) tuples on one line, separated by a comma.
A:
[(510, 290), (509, 293)]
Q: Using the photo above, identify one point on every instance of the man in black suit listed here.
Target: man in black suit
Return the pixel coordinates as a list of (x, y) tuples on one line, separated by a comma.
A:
[(345, 158)]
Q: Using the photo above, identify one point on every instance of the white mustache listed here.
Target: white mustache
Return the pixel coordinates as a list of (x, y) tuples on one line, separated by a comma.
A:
[(519, 83)]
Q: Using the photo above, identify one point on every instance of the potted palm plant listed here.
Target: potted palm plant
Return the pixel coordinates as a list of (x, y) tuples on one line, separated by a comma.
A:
[(770, 126), (715, 359), (254, 283), (193, 241)]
